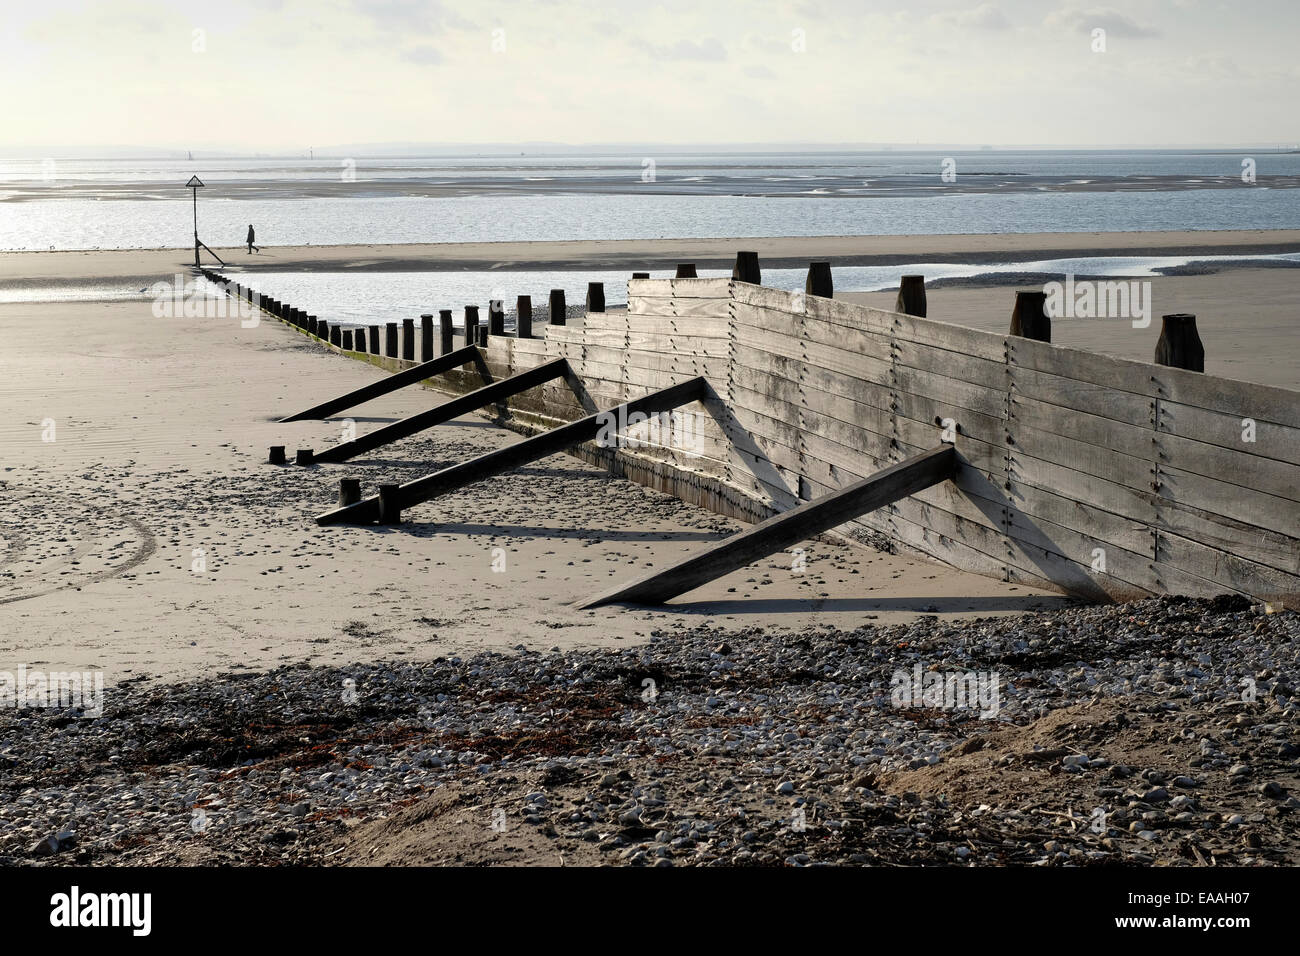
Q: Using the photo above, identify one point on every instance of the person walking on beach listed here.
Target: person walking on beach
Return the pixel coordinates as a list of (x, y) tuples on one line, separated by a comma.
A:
[(251, 237)]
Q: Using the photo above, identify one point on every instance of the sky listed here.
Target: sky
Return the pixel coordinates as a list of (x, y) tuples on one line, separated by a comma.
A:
[(283, 75)]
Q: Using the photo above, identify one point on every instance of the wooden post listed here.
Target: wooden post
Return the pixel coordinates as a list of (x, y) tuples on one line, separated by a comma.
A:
[(408, 339), (483, 335), (305, 456), (374, 340), (471, 325), (322, 330), (640, 275), (426, 337), (347, 340), (390, 509), (1180, 345), (390, 339), (558, 311), (911, 296), (496, 317), (746, 268), (819, 280), (1029, 318), (359, 337), (595, 297), (686, 270), (445, 344), (277, 455), (336, 335), (349, 491), (524, 317)]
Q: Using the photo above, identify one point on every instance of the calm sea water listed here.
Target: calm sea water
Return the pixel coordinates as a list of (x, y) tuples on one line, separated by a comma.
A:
[(89, 204)]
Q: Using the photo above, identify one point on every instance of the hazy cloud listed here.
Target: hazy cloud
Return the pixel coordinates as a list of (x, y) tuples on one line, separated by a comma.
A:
[(984, 17), (710, 49), (1112, 21)]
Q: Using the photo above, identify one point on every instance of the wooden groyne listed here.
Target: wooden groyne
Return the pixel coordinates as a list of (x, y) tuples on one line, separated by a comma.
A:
[(1097, 476)]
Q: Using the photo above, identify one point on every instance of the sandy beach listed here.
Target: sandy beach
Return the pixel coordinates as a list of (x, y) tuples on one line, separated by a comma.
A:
[(427, 694), (158, 466)]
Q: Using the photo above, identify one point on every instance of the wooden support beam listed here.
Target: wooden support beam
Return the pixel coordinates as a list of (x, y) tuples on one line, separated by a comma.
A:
[(389, 384), (781, 531), (686, 270), (445, 412), (557, 311), (521, 453)]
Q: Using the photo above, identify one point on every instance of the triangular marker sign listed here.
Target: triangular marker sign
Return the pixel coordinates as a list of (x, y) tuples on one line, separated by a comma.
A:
[(194, 181)]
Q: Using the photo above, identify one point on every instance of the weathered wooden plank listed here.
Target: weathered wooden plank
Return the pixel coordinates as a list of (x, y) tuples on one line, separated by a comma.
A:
[(1225, 569), (1257, 508), (677, 306), (1262, 545), (705, 328), (1277, 442), (1232, 466), (1075, 394)]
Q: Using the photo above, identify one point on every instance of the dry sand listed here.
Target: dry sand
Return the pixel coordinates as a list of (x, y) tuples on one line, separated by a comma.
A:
[(161, 429)]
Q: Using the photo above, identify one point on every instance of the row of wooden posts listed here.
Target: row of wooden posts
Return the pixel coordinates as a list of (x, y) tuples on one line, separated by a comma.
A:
[(1179, 344)]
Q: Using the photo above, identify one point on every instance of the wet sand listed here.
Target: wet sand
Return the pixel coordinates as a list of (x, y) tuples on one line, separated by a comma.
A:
[(148, 265)]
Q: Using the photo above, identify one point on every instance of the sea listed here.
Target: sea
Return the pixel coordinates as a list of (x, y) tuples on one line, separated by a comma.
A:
[(122, 203)]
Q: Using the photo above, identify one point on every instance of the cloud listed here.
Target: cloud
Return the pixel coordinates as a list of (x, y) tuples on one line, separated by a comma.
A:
[(1085, 21), (410, 16), (422, 55), (708, 50), (984, 17)]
